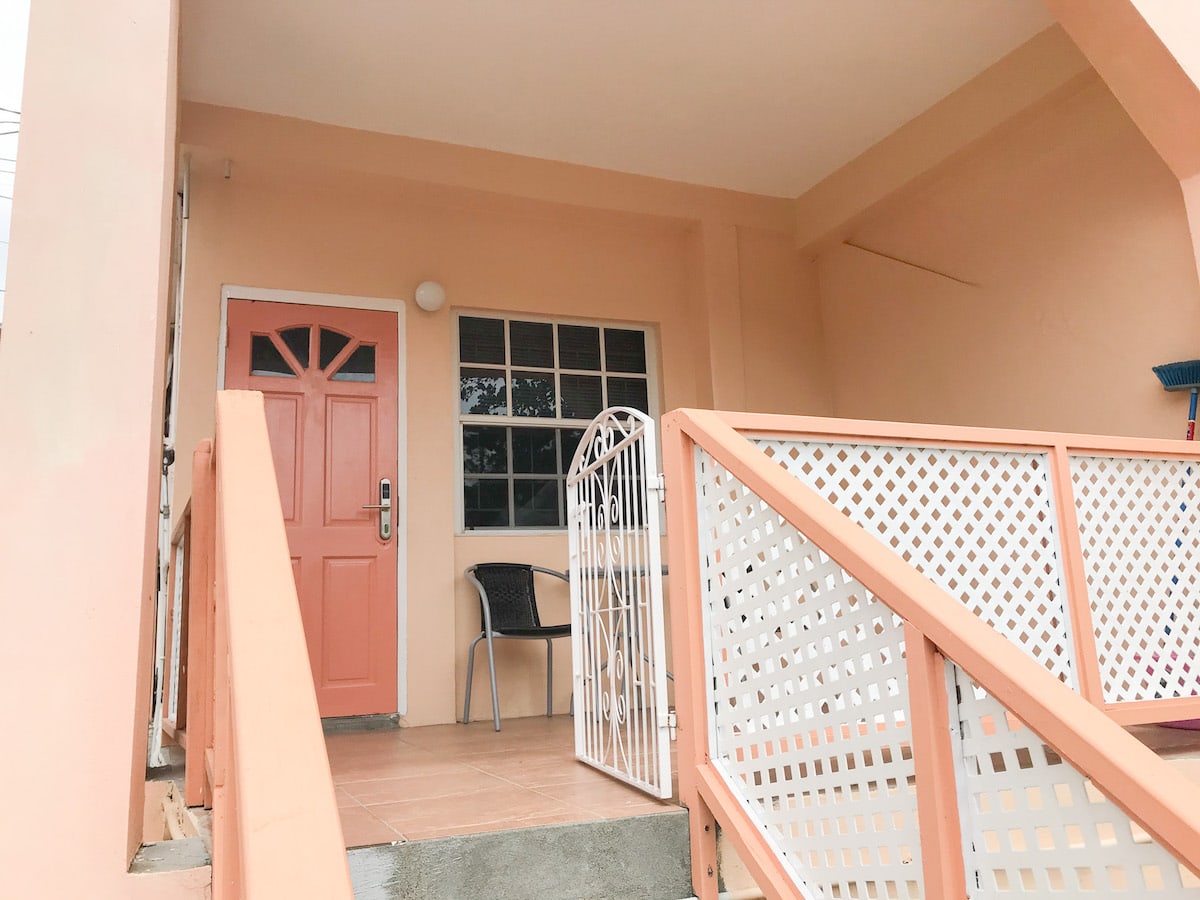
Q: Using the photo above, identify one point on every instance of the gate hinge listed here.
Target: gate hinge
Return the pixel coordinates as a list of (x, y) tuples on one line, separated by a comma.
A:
[(658, 484)]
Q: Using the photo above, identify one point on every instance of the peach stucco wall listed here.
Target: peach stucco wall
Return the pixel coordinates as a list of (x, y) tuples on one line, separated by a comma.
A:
[(80, 395), (290, 219), (1063, 234), (1069, 229), (1073, 235)]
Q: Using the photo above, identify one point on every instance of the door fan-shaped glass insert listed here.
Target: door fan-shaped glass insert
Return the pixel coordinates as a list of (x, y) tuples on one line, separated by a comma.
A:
[(297, 340), (332, 343), (359, 365), (267, 356)]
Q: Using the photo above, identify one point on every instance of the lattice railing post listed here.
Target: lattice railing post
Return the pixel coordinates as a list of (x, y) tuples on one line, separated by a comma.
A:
[(1079, 608), (197, 790), (687, 632), (934, 759)]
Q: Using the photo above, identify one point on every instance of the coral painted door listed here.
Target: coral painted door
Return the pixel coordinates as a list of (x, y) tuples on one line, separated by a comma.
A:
[(329, 377)]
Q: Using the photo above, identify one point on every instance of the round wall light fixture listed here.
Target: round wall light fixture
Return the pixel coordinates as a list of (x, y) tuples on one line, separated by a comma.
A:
[(430, 296)]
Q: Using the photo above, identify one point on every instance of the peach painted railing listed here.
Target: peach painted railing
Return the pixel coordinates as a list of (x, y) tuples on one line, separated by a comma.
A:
[(255, 752), (858, 729)]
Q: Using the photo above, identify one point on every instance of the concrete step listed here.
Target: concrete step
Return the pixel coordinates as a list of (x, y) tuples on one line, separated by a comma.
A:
[(635, 858)]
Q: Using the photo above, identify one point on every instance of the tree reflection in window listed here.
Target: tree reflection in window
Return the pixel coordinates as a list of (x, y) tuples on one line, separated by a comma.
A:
[(483, 392)]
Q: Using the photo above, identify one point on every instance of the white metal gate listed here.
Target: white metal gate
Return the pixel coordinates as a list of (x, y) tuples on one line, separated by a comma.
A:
[(619, 653)]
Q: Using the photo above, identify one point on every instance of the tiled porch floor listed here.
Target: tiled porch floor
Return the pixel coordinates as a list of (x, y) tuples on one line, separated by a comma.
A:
[(413, 783)]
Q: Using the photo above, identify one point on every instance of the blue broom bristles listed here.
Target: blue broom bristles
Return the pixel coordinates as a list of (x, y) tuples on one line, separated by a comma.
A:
[(1179, 376)]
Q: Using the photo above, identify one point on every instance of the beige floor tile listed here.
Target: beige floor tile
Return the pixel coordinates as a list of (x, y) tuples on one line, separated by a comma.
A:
[(462, 780), (360, 828), (595, 794), (456, 779), (563, 770), (418, 834), (479, 808)]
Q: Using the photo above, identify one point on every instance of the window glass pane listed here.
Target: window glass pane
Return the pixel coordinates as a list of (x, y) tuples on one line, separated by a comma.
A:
[(581, 396), (624, 350), (481, 392), (569, 439), (531, 344), (535, 502), (332, 344), (533, 394), (485, 449), (578, 347), (265, 358), (296, 340), (481, 340), (359, 365), (628, 392), (485, 503), (533, 451)]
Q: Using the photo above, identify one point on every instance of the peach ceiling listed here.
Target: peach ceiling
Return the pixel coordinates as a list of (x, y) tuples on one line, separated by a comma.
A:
[(766, 96)]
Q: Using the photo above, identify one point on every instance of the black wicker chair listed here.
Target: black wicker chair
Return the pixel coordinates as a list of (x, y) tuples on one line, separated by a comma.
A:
[(508, 609)]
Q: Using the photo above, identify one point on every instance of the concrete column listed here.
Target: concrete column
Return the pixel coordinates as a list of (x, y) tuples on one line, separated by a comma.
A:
[(81, 364), (721, 307)]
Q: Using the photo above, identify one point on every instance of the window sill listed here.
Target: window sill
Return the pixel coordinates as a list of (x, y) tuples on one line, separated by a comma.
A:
[(510, 532)]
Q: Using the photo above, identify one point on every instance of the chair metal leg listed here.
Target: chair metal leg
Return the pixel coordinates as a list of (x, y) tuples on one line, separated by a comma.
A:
[(549, 677), (492, 673), (470, 677)]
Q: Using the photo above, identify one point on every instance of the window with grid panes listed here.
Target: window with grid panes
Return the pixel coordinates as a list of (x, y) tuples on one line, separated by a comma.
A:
[(527, 391)]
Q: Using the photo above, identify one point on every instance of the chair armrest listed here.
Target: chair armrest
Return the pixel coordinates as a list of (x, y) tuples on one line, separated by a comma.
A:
[(554, 572)]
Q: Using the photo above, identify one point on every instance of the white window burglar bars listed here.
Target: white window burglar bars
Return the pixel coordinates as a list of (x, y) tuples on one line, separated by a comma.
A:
[(619, 653)]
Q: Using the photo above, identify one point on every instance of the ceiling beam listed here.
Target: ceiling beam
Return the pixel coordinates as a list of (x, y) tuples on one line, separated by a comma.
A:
[(1043, 66), (1148, 56)]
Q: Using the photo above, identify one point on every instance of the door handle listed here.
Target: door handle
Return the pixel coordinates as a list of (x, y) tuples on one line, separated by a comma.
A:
[(385, 509)]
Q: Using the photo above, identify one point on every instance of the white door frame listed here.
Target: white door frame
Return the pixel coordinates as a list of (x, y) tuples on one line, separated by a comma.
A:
[(382, 304)]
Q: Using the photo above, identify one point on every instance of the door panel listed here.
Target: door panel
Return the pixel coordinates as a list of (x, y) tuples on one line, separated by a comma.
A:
[(350, 482), (330, 379), (283, 425), (348, 584)]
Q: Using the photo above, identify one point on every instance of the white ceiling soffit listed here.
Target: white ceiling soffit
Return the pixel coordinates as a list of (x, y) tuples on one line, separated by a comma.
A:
[(765, 96)]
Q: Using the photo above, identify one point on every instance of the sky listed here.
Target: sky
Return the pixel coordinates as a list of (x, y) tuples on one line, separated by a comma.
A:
[(14, 17)]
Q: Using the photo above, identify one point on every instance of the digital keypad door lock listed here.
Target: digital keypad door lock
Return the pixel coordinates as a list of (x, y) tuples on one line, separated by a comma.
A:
[(384, 506)]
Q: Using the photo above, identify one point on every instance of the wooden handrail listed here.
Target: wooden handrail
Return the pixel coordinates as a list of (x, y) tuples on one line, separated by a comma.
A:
[(1140, 783), (855, 430), (257, 753)]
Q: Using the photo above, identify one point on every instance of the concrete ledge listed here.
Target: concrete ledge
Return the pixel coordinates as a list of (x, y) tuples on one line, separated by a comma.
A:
[(635, 858), (356, 724), (170, 856)]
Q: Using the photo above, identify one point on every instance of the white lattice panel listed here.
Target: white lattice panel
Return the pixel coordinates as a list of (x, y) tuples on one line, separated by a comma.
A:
[(1139, 524), (1037, 827), (618, 645), (810, 699), (980, 524)]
